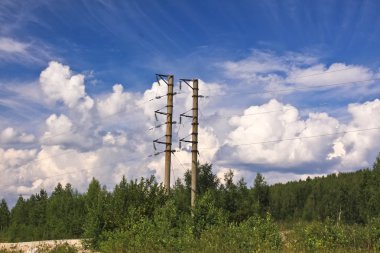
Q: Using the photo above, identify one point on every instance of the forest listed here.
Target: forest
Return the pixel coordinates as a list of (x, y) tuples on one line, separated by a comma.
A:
[(338, 212)]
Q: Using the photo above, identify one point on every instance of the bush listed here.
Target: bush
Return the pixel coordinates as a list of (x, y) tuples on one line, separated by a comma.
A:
[(165, 231), (331, 237), (252, 235), (374, 233), (206, 230)]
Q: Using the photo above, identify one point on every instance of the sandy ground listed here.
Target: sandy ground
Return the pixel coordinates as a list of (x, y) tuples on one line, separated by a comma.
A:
[(32, 247)]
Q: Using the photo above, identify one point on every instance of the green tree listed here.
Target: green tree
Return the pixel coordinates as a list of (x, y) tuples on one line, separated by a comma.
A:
[(19, 229), (206, 179), (261, 193), (95, 205), (5, 215)]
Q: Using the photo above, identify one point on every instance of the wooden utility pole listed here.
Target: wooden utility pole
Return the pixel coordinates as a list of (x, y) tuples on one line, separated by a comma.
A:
[(194, 137), (169, 122), (169, 80), (194, 147)]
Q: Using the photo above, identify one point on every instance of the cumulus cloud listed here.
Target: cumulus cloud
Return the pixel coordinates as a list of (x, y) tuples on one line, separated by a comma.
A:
[(15, 157), (59, 84), (106, 135), (11, 135), (318, 143), (255, 136), (115, 103), (119, 139), (358, 149), (61, 131)]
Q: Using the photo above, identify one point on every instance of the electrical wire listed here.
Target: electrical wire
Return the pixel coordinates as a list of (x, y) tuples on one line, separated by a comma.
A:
[(64, 153), (299, 138), (75, 128), (180, 162), (294, 89), (228, 116), (322, 73), (137, 157)]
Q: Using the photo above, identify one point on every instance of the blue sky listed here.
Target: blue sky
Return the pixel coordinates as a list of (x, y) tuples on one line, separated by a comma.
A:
[(273, 70), (127, 41)]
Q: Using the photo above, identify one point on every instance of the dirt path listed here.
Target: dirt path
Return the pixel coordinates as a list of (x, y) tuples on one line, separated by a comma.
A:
[(32, 247)]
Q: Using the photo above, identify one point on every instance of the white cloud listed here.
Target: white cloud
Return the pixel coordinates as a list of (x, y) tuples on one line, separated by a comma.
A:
[(31, 52), (263, 131), (59, 84), (268, 72), (9, 45), (105, 136), (263, 63), (10, 135), (15, 157), (60, 130), (115, 103), (358, 149), (119, 139), (334, 74)]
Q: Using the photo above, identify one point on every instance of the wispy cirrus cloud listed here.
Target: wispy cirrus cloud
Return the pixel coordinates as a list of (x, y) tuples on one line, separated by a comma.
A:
[(275, 75), (8, 45), (21, 52)]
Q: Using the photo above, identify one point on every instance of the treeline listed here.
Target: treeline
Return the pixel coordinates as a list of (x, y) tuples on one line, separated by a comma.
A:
[(345, 197), (138, 214)]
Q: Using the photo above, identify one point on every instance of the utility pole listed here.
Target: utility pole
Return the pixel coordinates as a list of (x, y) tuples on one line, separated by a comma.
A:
[(194, 146), (194, 137), (169, 122)]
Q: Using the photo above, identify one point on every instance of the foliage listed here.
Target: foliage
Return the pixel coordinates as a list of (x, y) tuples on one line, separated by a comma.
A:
[(334, 213), (205, 231), (5, 216), (253, 235), (329, 236)]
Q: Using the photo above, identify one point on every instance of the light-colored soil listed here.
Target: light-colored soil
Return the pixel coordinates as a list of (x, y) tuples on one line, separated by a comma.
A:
[(32, 247)]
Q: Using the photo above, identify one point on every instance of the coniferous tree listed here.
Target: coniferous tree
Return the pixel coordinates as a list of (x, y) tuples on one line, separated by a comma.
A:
[(95, 205), (18, 229), (5, 215), (261, 192)]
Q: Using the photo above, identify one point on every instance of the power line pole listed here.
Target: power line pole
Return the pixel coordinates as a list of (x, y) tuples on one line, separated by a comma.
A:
[(194, 137), (169, 122), (194, 147)]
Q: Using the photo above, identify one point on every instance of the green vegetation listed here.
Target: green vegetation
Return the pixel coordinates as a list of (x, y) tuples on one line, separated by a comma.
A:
[(337, 213)]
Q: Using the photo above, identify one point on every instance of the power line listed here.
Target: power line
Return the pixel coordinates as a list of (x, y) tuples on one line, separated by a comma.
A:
[(291, 79), (77, 170), (227, 116), (300, 138), (322, 73), (179, 162), (294, 89), (77, 128), (244, 115), (231, 93), (64, 153)]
